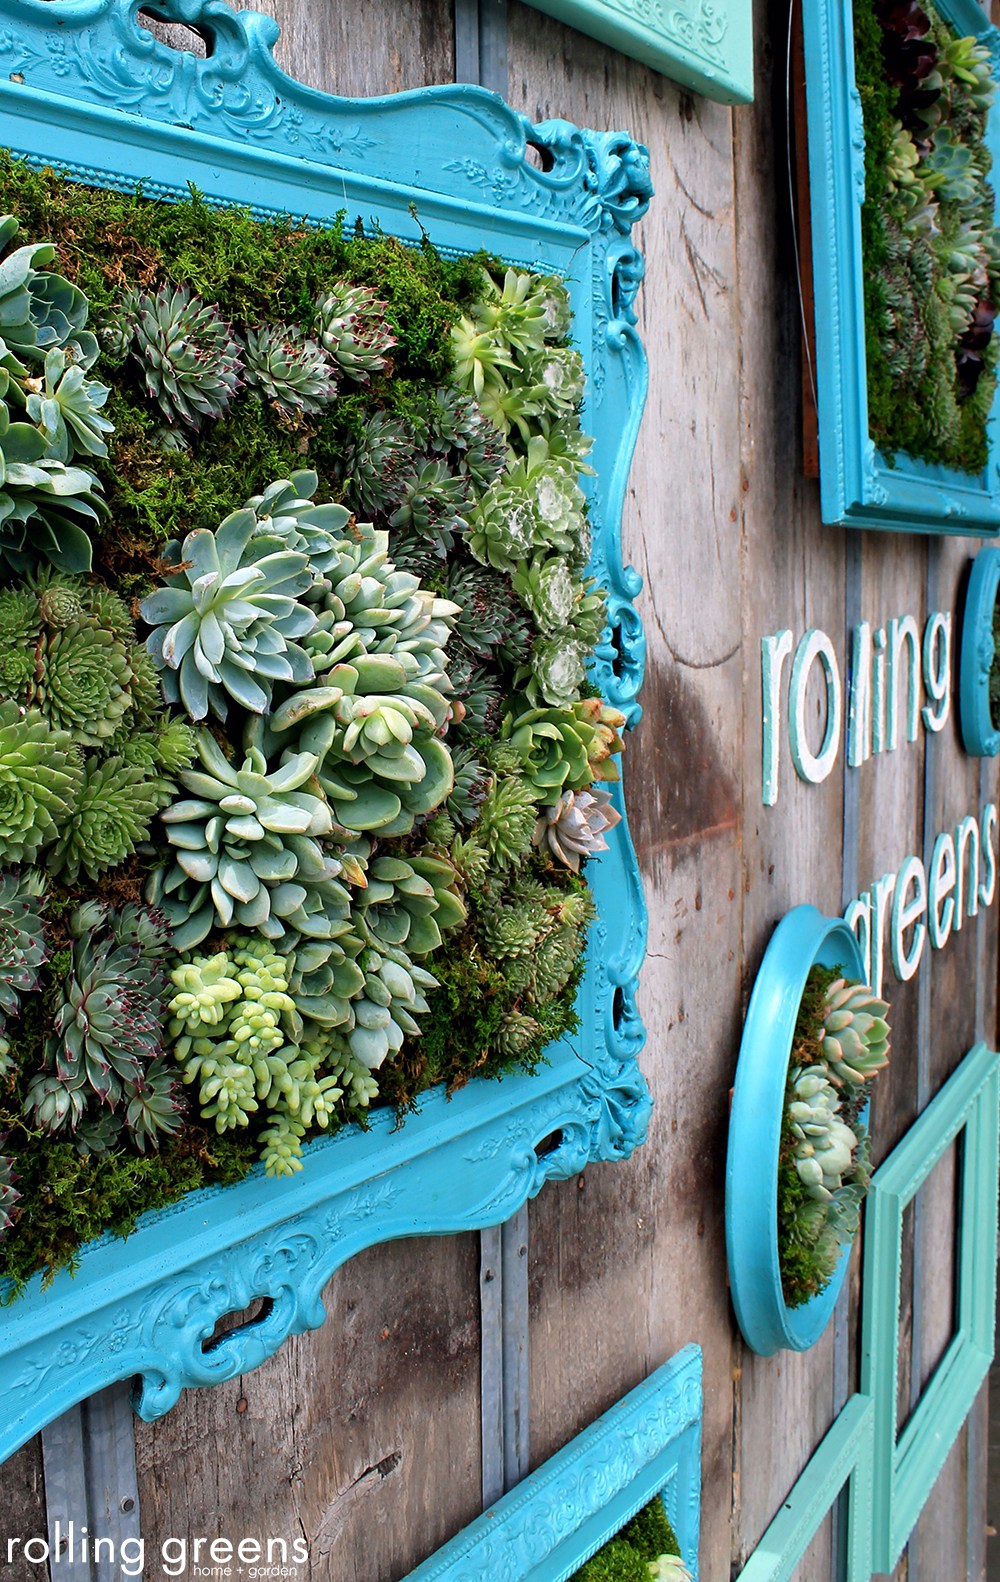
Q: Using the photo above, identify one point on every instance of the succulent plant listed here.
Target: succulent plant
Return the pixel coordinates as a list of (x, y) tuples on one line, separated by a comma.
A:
[(455, 426), (65, 407), (536, 504), (558, 379), (855, 1035), (481, 362), (506, 820), (573, 828), (432, 503), (472, 781), (23, 946), (187, 353), (408, 903), (352, 326), (41, 773), (491, 620), (949, 168), (824, 1144), (108, 1028), (46, 508), (228, 619), (668, 1568), (110, 814), (383, 453), (83, 680), (247, 841), (9, 1195), (289, 368), (287, 512)]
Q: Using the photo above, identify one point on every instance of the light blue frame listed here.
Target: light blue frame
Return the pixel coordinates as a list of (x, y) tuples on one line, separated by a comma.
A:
[(845, 1457), (858, 486), (979, 735), (803, 939), (561, 1514), (706, 45), (907, 1465), (85, 89)]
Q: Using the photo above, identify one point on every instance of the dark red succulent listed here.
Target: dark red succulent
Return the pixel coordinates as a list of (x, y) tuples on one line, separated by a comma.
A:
[(910, 56), (972, 344)]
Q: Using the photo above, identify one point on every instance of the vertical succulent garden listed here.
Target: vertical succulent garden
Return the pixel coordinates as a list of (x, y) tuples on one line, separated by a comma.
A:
[(930, 242), (824, 1164), (299, 759)]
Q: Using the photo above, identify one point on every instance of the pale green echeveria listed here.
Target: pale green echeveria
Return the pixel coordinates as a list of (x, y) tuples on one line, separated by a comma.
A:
[(370, 607), (558, 379), (824, 1145), (536, 504), (558, 673), (286, 511), (65, 407), (247, 841), (228, 621), (668, 1568), (855, 1034), (46, 508), (560, 603), (372, 733), (41, 772), (411, 902)]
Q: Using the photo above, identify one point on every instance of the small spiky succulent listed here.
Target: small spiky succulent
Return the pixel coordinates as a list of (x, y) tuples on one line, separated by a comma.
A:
[(506, 820), (574, 827), (376, 462), (186, 351), (352, 326), (83, 682), (228, 621), (108, 1028), (855, 1035), (9, 1195), (23, 946), (41, 773), (110, 814), (432, 506), (289, 368)]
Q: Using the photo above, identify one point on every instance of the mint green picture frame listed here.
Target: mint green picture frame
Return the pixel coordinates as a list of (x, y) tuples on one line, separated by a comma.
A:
[(844, 1459), (705, 45), (906, 1466)]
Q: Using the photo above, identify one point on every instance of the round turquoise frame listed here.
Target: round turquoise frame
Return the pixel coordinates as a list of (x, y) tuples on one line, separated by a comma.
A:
[(979, 737), (803, 939)]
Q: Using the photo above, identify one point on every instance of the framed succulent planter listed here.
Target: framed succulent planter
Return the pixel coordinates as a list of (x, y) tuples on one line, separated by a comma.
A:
[(319, 919), (978, 676), (902, 128), (798, 1161), (705, 47), (646, 1449)]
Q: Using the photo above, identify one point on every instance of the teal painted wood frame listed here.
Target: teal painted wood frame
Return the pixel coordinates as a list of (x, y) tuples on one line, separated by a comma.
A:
[(86, 89), (561, 1514), (978, 653), (844, 1459), (706, 45), (803, 939), (907, 1465), (859, 487)]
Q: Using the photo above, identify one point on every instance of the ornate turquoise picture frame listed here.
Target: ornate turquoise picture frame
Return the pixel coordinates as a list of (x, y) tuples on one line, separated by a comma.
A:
[(978, 656), (859, 485), (562, 1513), (707, 47), (87, 90)]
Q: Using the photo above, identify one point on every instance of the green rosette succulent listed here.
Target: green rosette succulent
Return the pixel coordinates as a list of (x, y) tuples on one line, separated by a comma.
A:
[(566, 748), (288, 368), (854, 1037), (228, 620), (9, 1195), (410, 903), (382, 454), (83, 682), (286, 511), (507, 818), (248, 840), (41, 773), (65, 407), (559, 602), (352, 325), (186, 351), (823, 1143), (110, 814)]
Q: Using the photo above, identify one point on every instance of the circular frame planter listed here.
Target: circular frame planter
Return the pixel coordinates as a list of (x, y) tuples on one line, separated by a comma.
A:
[(980, 738), (803, 939)]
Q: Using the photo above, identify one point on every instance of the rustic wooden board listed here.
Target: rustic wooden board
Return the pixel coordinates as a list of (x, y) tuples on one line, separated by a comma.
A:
[(607, 1299), (22, 1508)]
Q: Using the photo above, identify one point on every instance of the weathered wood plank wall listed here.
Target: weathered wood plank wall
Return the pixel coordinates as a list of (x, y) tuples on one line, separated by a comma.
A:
[(364, 1437)]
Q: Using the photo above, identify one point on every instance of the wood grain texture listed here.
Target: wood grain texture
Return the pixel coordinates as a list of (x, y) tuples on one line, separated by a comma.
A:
[(22, 1509), (358, 50), (634, 1228)]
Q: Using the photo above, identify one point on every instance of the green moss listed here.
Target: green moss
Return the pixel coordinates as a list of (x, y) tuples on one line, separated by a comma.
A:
[(626, 1557), (68, 1200)]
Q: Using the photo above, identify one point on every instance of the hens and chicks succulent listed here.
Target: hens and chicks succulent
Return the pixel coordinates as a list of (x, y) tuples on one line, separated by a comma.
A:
[(931, 238), (841, 1042), (351, 730)]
